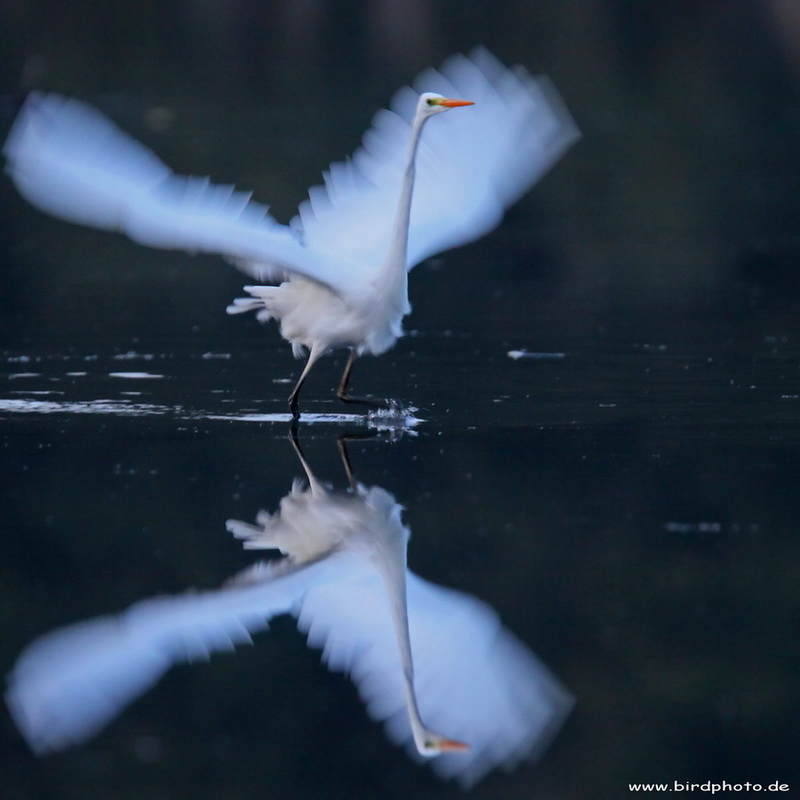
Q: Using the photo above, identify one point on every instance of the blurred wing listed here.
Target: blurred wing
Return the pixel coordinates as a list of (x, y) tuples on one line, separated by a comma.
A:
[(480, 683), (474, 680), (471, 164), (68, 684), (70, 161), (481, 161)]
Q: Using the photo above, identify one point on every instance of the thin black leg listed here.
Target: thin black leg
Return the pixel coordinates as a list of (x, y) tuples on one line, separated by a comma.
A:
[(342, 392), (295, 440), (294, 406), (341, 443)]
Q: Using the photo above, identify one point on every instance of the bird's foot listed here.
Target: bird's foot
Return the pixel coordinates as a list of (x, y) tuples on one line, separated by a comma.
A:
[(361, 400)]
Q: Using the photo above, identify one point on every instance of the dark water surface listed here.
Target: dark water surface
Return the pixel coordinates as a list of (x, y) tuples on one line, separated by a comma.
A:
[(627, 505), (608, 445)]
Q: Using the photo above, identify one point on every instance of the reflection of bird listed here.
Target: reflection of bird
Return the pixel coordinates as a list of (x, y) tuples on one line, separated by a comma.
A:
[(366, 526), (416, 650), (341, 267)]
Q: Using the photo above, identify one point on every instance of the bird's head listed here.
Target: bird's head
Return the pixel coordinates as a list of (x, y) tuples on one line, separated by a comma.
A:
[(431, 103)]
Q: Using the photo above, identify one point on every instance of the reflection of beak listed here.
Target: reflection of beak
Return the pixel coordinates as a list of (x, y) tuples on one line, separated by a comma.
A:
[(450, 745), (450, 103)]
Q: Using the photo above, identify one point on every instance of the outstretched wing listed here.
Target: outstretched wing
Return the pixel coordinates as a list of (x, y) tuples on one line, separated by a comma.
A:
[(70, 161), (471, 165), (474, 680), (70, 683)]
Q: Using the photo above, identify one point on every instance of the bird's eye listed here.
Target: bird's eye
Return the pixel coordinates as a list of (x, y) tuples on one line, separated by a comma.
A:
[(431, 101)]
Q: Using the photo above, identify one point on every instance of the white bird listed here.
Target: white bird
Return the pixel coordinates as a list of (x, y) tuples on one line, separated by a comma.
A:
[(339, 270), (417, 651)]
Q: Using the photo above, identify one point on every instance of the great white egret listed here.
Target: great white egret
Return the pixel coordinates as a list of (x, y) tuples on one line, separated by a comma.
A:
[(417, 651), (338, 272)]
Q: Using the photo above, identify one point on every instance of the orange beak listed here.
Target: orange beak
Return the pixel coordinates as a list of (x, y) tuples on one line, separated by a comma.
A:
[(450, 103)]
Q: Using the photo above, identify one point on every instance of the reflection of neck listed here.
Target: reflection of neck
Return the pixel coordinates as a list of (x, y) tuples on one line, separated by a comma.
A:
[(391, 565)]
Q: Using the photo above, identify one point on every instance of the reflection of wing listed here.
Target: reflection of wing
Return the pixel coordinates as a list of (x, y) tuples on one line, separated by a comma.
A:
[(474, 679), (470, 166), (69, 684), (346, 581), (68, 160)]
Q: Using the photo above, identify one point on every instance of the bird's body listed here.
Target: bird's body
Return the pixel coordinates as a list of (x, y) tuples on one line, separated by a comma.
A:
[(338, 275), (314, 319)]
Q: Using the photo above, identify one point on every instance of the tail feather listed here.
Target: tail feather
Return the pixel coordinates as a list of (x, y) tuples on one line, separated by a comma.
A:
[(261, 301), (241, 305)]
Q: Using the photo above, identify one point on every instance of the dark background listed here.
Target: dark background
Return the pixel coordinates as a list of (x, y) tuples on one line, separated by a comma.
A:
[(630, 508)]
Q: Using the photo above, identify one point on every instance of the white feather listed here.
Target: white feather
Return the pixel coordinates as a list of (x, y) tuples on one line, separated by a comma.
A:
[(344, 577), (69, 684), (342, 263), (474, 680), (471, 166), (72, 162)]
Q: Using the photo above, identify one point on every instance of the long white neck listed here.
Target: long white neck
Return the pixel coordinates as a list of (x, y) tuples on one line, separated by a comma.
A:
[(403, 214), (394, 274)]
